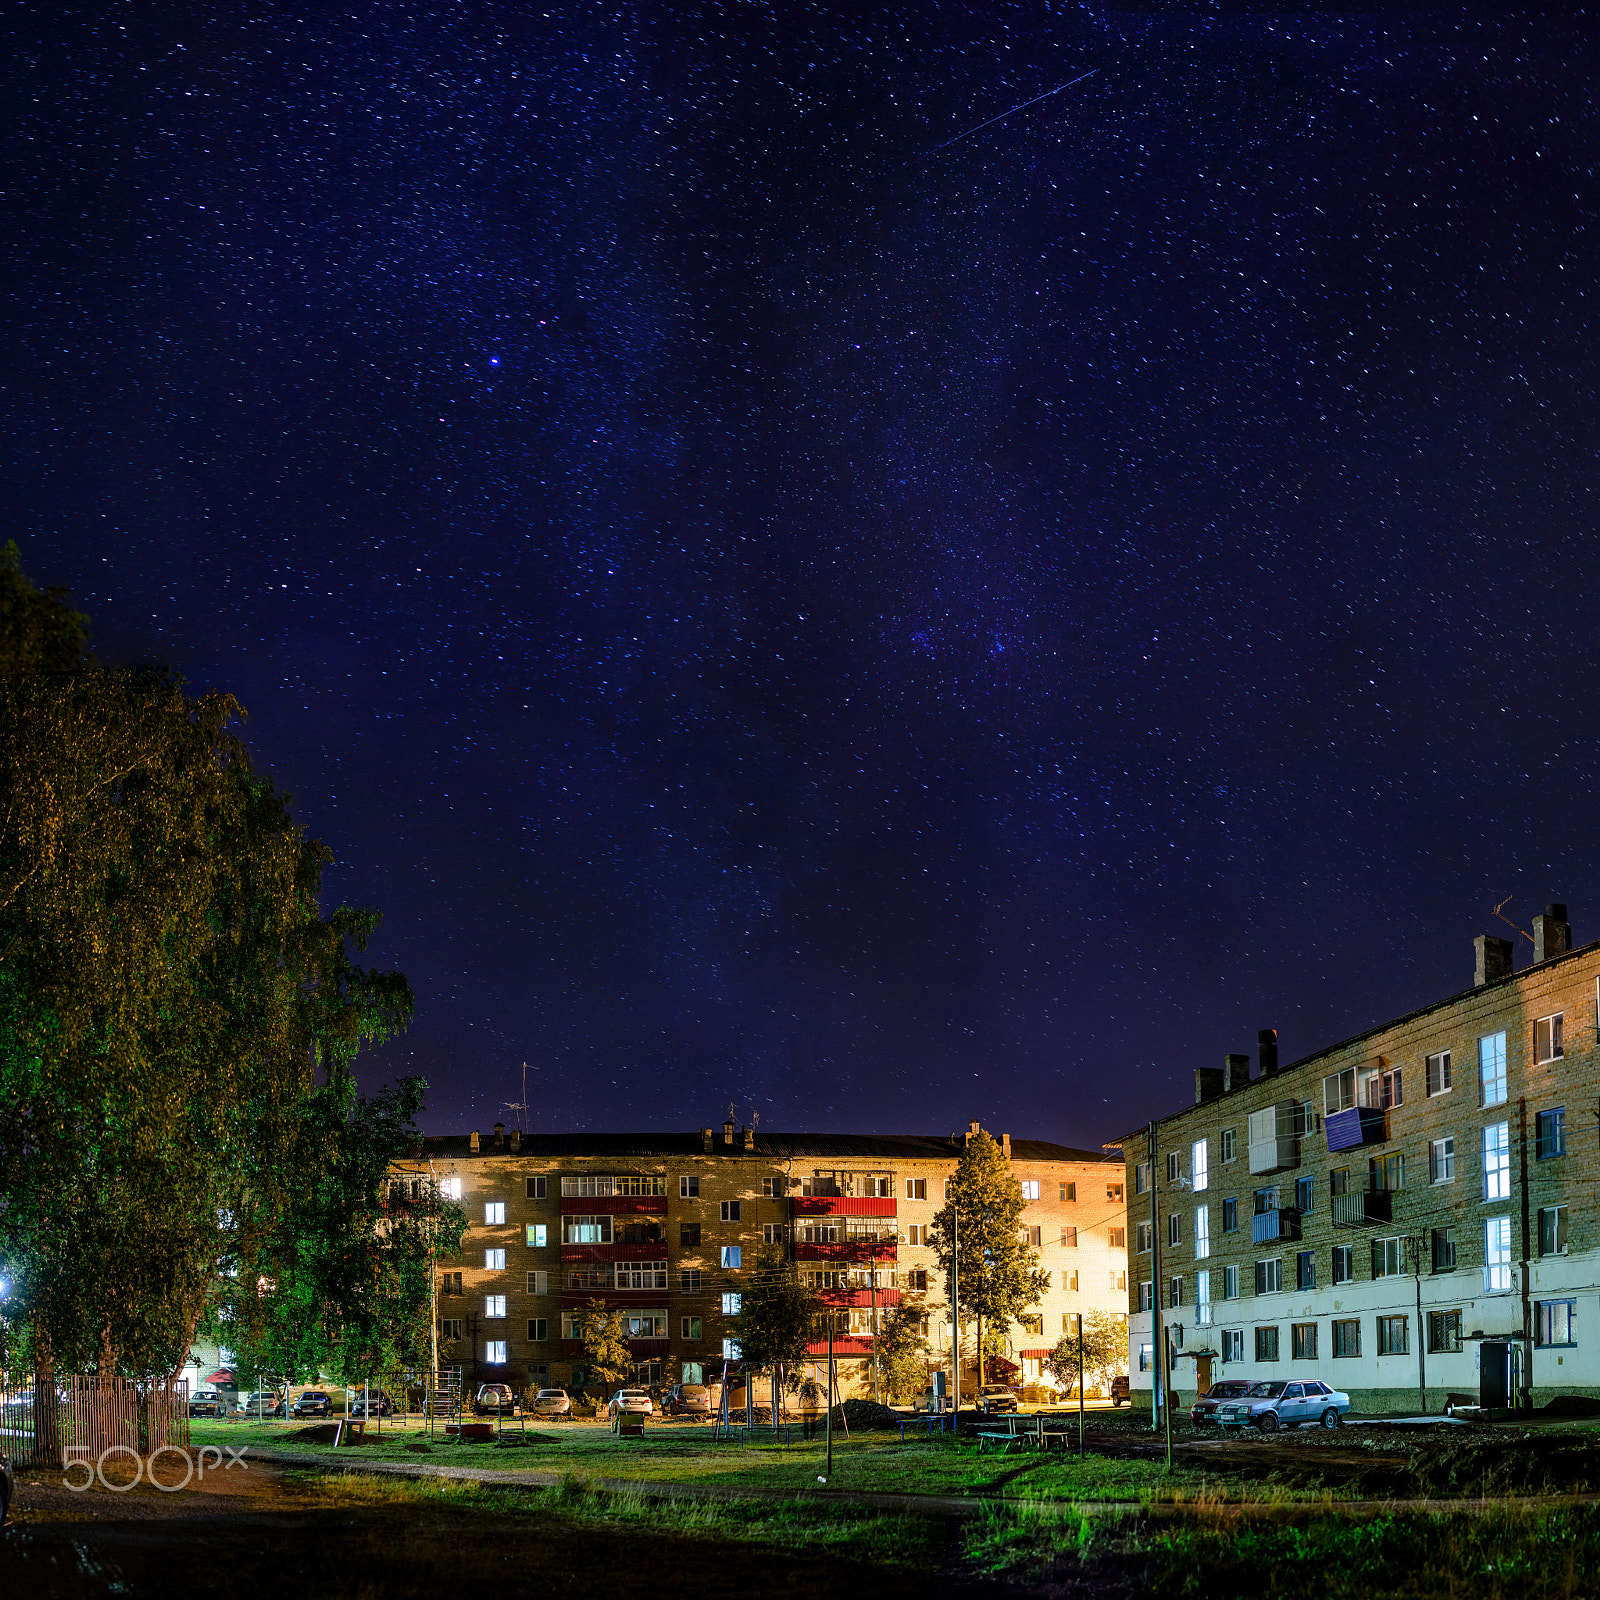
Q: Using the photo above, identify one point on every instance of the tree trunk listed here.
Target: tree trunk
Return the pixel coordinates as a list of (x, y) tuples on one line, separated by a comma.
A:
[(46, 1406)]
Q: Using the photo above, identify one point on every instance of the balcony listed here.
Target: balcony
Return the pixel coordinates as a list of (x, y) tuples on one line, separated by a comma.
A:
[(654, 1250), (843, 1345), (1273, 1155), (1270, 1225), (839, 1205), (1348, 1130), (859, 1297), (848, 1250), (1362, 1209), (615, 1205)]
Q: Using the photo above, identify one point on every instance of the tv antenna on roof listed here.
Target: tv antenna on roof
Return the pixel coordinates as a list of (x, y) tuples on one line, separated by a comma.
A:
[(1510, 924), (521, 1106)]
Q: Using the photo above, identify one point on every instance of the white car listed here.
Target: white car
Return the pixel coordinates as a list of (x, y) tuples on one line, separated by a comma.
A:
[(1284, 1403), (552, 1403), (630, 1403)]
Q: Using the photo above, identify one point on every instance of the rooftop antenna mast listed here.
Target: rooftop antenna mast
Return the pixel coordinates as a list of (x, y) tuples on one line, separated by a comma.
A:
[(1510, 924), (521, 1106)]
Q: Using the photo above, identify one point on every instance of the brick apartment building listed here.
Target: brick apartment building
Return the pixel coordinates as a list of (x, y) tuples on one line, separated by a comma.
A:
[(666, 1226), (1407, 1215)]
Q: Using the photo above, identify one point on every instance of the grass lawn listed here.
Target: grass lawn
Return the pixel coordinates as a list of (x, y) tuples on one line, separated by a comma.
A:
[(869, 1462)]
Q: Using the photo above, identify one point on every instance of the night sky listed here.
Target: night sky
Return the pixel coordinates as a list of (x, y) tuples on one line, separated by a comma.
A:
[(776, 611)]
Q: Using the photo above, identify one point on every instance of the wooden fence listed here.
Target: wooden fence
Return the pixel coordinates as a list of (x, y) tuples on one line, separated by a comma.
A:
[(47, 1421)]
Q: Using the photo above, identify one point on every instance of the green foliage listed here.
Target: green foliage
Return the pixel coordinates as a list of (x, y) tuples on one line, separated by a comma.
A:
[(169, 990), (606, 1356), (777, 1313), (1000, 1277), (1105, 1350)]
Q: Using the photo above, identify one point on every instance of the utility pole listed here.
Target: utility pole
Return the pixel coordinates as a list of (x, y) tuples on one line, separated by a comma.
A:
[(877, 1391), (1158, 1397), (1422, 1371), (829, 1314), (1166, 1399), (1080, 1384), (955, 1313)]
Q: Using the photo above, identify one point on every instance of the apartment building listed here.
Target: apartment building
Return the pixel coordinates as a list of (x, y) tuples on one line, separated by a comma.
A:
[(665, 1227), (1408, 1215)]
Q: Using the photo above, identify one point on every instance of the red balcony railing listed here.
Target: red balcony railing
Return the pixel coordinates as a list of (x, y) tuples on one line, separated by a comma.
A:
[(613, 1205), (839, 1205), (842, 1347), (615, 1252), (851, 1250)]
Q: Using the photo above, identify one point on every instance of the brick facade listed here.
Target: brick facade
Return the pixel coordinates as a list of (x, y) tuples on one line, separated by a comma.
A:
[(680, 1217), (1348, 1234)]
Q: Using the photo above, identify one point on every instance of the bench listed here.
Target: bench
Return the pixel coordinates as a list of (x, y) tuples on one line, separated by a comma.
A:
[(628, 1428), (470, 1432), (944, 1422), (1000, 1439)]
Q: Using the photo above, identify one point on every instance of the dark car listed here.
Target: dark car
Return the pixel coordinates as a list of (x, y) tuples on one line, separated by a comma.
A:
[(209, 1403), (1204, 1409), (313, 1403), (8, 1486), (372, 1402), (687, 1400), (1119, 1390)]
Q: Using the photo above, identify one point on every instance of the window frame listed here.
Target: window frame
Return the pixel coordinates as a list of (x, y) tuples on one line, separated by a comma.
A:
[(1200, 1165), (1544, 1323), (1549, 1038), (1442, 1161), (1390, 1324), (494, 1213), (1266, 1343), (1302, 1341), (1441, 1077), (1496, 1161), (689, 1186), (1497, 1255), (1202, 1232), (1346, 1332), (1492, 1089), (1550, 1133)]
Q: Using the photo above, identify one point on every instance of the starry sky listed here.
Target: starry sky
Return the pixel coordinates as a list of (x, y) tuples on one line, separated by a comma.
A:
[(779, 607)]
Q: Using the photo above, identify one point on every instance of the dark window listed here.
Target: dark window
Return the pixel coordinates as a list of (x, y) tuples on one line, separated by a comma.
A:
[(1444, 1330), (1552, 1133), (1266, 1200), (1303, 1341), (1069, 1191), (536, 1188), (1266, 1344), (1444, 1249), (1347, 1338), (1303, 1189), (1339, 1181), (689, 1234), (639, 1233), (1306, 1270), (1552, 1230), (538, 1330), (1344, 1263), (730, 1210), (1392, 1339), (689, 1280), (1230, 1216)]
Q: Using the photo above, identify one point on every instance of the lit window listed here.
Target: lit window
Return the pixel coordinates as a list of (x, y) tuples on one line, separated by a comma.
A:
[(1202, 1232), (495, 1352), (1492, 1070), (1199, 1167), (1496, 1255), (1030, 1188), (1547, 1038), (731, 1304), (494, 1260), (494, 1213), (536, 1235), (1497, 1161), (1556, 1323), (450, 1188), (494, 1305), (732, 1256)]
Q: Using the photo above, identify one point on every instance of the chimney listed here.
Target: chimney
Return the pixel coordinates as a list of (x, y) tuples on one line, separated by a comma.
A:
[(1267, 1050), (1494, 959), (708, 1138), (749, 1138), (1235, 1073), (472, 1141), (516, 1138), (1209, 1083), (1552, 934), (727, 1133), (1005, 1145), (499, 1133)]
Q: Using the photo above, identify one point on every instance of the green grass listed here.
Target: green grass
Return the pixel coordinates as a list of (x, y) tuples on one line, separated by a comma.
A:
[(868, 1463), (801, 1528), (1507, 1554)]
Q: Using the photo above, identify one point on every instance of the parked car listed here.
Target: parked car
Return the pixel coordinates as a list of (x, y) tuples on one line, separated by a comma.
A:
[(8, 1485), (687, 1400), (631, 1403), (1284, 1403), (1119, 1390), (380, 1404), (1204, 1409), (263, 1403), (313, 1403), (552, 1403), (209, 1403), (497, 1398), (995, 1398), (929, 1401)]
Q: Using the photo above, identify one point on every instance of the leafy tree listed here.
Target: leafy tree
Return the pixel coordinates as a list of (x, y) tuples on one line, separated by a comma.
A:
[(1105, 1350), (607, 1359), (1000, 1274), (777, 1314), (903, 1348), (169, 994)]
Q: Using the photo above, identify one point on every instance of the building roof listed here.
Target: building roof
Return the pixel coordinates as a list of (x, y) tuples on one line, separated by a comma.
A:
[(1382, 1027), (774, 1146)]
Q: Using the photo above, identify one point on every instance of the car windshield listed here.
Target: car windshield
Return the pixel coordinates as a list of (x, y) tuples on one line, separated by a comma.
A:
[(552, 1394), (693, 1391), (1227, 1391), (1266, 1391)]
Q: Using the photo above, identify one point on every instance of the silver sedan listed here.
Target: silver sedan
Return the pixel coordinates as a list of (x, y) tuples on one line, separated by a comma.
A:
[(1284, 1403)]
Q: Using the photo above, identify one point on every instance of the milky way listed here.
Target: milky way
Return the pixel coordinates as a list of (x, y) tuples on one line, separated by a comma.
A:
[(776, 611)]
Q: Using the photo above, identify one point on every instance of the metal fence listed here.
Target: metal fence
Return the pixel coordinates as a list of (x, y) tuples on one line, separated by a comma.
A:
[(46, 1420)]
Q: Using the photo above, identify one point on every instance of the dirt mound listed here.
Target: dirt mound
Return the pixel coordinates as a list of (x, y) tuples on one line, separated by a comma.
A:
[(320, 1433), (869, 1414)]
